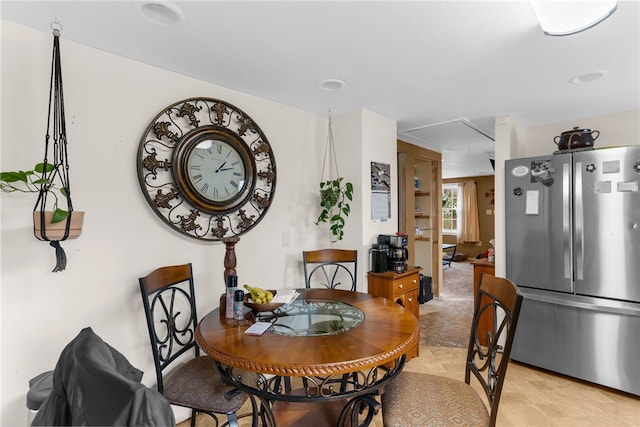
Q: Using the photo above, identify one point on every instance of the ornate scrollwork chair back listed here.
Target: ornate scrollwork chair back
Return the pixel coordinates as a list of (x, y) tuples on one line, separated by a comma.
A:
[(440, 399), (330, 268), (194, 382)]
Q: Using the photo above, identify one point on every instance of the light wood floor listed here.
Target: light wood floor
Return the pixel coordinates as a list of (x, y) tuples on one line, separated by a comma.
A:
[(530, 397), (533, 397)]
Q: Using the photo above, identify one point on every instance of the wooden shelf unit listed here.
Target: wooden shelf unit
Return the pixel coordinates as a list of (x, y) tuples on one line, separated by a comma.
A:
[(421, 207)]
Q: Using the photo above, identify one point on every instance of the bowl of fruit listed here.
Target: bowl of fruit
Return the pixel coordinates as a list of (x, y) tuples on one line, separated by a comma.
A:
[(259, 300)]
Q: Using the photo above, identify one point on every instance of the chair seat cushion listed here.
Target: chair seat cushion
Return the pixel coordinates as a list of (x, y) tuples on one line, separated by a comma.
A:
[(415, 399), (197, 384)]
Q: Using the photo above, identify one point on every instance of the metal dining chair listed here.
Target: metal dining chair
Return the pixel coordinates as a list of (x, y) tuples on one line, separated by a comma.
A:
[(436, 400), (170, 308), (330, 268)]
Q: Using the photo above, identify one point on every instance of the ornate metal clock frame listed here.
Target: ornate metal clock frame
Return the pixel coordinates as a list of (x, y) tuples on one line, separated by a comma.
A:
[(172, 190)]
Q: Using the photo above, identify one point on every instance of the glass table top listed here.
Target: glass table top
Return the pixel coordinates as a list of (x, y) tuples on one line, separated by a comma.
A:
[(312, 317)]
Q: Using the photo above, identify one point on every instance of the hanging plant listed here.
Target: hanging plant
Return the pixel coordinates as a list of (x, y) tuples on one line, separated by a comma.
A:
[(335, 193), (51, 221), (30, 181), (334, 200)]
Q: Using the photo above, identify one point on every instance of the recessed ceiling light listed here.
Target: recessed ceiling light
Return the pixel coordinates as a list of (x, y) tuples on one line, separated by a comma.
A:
[(161, 12), (588, 78), (332, 84)]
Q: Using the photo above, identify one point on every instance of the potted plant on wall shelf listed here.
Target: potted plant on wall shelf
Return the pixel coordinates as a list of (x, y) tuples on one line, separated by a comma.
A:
[(335, 193), (55, 221)]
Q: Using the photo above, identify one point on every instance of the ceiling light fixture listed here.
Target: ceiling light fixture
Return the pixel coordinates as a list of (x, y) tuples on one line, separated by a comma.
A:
[(161, 12), (588, 78), (332, 84), (563, 18)]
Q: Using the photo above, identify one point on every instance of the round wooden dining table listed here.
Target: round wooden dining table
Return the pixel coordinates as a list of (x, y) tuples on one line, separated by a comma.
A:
[(346, 364)]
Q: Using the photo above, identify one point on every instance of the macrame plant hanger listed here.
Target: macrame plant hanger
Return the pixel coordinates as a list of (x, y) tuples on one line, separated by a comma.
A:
[(335, 194), (55, 172), (329, 156)]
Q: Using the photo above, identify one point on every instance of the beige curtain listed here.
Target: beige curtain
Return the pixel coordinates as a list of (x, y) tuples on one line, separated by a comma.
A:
[(469, 230)]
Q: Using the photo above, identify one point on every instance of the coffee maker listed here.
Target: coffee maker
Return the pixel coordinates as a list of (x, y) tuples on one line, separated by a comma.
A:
[(397, 252), (379, 254)]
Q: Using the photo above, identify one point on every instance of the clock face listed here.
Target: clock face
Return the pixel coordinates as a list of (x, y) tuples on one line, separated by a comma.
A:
[(216, 170), (206, 169)]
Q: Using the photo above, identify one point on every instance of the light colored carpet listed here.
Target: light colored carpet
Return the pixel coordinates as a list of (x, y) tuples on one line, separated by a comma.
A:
[(445, 321)]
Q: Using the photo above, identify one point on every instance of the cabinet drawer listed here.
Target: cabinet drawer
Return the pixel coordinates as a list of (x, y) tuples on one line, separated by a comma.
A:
[(402, 288), (406, 284)]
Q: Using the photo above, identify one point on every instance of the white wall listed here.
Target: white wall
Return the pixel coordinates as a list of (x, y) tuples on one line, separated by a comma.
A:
[(362, 137), (375, 131), (615, 130), (109, 101), (506, 128)]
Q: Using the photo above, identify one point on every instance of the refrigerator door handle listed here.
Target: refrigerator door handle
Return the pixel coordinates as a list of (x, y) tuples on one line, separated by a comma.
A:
[(566, 232), (579, 221)]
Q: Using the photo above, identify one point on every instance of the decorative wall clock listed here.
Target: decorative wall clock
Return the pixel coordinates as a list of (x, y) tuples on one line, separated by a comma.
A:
[(206, 169)]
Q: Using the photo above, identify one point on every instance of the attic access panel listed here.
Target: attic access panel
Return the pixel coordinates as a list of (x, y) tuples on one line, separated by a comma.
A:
[(467, 149)]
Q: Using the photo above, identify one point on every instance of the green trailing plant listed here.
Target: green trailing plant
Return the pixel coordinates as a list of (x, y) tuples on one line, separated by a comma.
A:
[(335, 196), (31, 181)]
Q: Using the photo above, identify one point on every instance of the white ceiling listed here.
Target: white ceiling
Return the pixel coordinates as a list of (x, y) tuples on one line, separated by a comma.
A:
[(434, 66)]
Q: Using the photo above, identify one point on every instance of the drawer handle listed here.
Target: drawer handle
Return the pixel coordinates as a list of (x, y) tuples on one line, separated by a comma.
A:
[(400, 285), (410, 299), (415, 281)]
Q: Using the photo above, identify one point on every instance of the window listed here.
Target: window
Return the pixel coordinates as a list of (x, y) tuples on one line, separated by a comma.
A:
[(450, 208)]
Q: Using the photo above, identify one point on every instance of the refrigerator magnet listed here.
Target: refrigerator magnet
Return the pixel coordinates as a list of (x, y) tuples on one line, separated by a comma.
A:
[(520, 171)]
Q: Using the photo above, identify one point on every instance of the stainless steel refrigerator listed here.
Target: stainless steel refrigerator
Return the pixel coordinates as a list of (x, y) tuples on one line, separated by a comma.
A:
[(573, 248)]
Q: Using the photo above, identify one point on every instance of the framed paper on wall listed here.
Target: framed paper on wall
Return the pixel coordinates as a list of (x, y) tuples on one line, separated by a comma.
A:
[(380, 191)]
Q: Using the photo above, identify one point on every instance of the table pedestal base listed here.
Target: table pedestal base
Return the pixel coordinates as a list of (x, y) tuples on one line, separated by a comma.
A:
[(326, 413), (330, 401), (297, 414)]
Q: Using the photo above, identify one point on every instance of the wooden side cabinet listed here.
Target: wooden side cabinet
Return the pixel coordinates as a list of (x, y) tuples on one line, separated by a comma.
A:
[(403, 288), (482, 266)]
